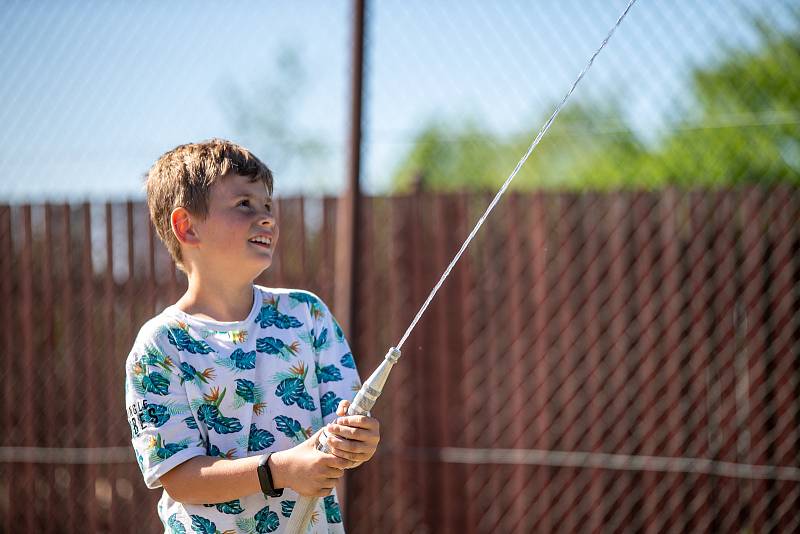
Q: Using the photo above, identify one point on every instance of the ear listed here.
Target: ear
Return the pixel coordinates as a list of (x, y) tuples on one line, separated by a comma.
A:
[(181, 221)]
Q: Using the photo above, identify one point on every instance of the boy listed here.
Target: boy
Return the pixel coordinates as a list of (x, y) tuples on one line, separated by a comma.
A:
[(228, 389)]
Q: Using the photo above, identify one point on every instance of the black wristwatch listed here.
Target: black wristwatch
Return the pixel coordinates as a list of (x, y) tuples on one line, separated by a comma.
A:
[(265, 478)]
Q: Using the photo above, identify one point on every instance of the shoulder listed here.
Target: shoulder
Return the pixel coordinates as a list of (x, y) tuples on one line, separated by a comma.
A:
[(153, 333), (289, 300), (296, 296)]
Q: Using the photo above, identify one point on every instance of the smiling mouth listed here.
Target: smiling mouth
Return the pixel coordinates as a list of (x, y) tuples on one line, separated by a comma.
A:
[(263, 242)]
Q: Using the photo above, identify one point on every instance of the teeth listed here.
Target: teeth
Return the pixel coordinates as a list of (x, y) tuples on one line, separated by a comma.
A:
[(264, 240)]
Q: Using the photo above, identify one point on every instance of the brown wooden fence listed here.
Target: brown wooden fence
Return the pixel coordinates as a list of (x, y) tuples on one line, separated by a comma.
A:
[(597, 362)]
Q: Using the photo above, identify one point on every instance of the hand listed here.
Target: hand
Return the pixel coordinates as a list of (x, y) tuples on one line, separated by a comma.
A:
[(306, 470), (353, 437)]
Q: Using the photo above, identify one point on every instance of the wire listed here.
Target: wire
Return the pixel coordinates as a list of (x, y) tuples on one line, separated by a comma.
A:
[(505, 185)]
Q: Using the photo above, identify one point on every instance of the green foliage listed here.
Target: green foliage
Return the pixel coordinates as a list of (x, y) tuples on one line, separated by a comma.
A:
[(266, 115), (746, 129)]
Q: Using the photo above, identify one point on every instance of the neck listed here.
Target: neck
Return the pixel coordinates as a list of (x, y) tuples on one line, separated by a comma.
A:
[(217, 298)]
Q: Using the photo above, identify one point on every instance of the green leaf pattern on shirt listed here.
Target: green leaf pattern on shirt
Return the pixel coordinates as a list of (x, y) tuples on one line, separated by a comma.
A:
[(236, 392)]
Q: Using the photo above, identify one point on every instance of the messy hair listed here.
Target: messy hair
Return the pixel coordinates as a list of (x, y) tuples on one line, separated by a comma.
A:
[(183, 177)]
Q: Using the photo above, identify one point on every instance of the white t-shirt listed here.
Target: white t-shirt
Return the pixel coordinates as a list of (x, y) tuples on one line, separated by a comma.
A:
[(197, 387)]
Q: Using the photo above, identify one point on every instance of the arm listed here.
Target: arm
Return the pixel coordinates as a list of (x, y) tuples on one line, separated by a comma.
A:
[(203, 479)]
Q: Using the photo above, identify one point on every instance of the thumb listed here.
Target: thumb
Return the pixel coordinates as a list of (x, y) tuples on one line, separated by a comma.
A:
[(341, 411), (314, 439)]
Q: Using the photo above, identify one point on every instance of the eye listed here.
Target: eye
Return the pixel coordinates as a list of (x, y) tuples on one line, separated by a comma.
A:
[(244, 202)]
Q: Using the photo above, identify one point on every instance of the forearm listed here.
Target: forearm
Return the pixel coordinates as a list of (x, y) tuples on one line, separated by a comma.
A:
[(207, 480)]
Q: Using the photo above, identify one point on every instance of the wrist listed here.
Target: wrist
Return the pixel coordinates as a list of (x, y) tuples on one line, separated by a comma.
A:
[(278, 465)]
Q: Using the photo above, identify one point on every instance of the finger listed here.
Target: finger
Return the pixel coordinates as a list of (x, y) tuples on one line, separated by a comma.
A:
[(334, 465), (314, 439), (346, 457), (348, 445), (353, 433), (346, 432), (348, 460), (341, 462), (359, 421), (335, 468), (341, 410)]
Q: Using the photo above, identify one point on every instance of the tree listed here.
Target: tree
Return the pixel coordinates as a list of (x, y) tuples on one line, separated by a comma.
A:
[(745, 130), (266, 117)]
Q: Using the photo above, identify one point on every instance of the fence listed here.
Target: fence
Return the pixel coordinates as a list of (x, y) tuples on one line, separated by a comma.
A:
[(597, 362)]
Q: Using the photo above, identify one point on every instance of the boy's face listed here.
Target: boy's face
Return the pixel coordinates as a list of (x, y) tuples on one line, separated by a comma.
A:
[(240, 232)]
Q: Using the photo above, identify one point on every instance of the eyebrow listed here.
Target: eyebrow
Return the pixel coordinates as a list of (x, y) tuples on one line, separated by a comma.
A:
[(242, 193)]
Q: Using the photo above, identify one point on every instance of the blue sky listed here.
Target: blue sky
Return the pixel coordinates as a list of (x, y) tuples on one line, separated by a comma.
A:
[(92, 92)]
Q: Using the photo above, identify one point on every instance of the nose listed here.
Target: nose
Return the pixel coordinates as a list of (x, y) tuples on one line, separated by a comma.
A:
[(267, 220)]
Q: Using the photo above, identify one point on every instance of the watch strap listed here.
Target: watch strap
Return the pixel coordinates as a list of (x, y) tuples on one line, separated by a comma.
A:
[(265, 478)]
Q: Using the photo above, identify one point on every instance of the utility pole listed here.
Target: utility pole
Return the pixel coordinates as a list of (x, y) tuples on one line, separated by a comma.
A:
[(348, 208)]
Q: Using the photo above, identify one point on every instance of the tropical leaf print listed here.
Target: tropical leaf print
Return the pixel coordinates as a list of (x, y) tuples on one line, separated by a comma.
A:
[(247, 525), (175, 526), (270, 316), (169, 449), (191, 422), (140, 461), (332, 512), (318, 343), (314, 306), (209, 413), (153, 356), (290, 389), (347, 361), (160, 450), (286, 508), (329, 402), (246, 390), (241, 360), (236, 336), (225, 425), (259, 439), (302, 297), (328, 373), (201, 525), (215, 396), (155, 383), (190, 374), (266, 521), (155, 414), (290, 428), (230, 507), (295, 371), (213, 450), (183, 341), (277, 347), (337, 331), (306, 402)]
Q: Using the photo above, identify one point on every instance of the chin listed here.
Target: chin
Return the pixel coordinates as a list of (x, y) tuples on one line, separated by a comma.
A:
[(262, 268)]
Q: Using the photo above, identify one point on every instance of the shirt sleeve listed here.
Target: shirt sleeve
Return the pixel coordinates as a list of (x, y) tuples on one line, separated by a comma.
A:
[(335, 370), (164, 432)]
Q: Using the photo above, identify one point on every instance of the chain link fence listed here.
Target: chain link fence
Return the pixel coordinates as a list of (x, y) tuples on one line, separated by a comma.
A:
[(618, 351)]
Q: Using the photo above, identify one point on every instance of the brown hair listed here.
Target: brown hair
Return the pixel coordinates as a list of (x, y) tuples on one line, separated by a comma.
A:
[(183, 176)]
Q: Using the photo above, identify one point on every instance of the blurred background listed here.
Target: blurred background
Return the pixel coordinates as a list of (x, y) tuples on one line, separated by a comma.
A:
[(619, 349)]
